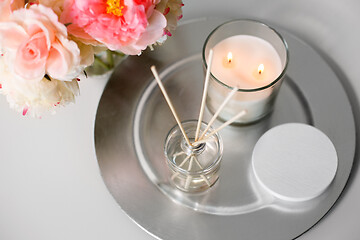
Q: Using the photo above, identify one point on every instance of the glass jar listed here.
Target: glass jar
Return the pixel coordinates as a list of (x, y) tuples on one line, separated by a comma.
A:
[(250, 56), (193, 168)]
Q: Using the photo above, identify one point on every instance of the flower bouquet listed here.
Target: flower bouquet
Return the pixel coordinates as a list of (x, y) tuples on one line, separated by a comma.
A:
[(46, 45)]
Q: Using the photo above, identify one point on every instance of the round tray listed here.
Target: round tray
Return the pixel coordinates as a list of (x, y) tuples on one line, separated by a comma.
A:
[(133, 119)]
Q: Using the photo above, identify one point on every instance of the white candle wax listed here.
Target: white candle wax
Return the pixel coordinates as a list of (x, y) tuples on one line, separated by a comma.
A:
[(248, 52), (242, 71)]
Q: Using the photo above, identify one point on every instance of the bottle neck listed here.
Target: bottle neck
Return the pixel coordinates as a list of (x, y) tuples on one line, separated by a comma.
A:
[(192, 150)]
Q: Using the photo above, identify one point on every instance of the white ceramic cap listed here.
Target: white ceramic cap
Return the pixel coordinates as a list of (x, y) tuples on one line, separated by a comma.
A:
[(295, 161)]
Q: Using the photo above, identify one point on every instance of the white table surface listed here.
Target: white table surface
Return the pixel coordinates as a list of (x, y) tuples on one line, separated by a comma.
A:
[(50, 183)]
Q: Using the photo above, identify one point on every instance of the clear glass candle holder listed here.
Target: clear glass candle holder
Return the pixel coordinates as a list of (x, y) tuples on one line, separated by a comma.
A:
[(193, 168), (258, 69)]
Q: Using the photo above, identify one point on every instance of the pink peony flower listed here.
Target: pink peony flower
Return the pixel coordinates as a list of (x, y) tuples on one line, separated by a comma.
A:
[(128, 26), (35, 43)]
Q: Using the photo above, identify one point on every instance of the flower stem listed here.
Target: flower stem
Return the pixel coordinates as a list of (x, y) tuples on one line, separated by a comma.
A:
[(101, 62), (110, 58), (118, 53)]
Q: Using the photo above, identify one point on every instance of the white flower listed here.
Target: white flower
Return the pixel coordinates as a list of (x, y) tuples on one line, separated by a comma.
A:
[(56, 5), (172, 12), (35, 98)]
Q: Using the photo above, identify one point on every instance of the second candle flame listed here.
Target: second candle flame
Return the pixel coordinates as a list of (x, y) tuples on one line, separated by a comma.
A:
[(229, 57), (261, 68)]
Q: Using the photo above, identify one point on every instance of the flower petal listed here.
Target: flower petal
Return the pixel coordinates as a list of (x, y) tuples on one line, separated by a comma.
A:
[(153, 32), (56, 65), (11, 35), (64, 60)]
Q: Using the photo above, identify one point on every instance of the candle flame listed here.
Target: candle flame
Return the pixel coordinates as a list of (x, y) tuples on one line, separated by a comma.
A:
[(229, 57), (261, 68)]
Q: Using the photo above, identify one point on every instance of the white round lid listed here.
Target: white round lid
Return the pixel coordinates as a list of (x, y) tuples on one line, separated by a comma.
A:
[(295, 161)]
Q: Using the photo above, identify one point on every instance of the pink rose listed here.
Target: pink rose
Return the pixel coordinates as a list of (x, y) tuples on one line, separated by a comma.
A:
[(35, 43), (7, 6), (124, 25)]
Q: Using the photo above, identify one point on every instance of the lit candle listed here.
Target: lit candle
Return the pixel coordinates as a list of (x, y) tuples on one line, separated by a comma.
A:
[(247, 62)]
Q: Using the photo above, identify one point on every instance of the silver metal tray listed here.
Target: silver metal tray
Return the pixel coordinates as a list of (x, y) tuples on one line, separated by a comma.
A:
[(133, 120)]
